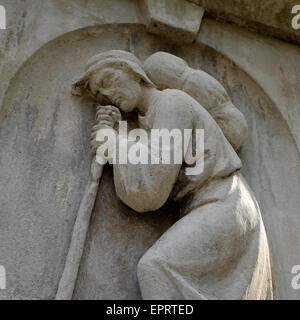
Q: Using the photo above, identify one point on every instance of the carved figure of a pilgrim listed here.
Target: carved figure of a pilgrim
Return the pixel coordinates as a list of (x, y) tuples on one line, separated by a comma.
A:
[(218, 249)]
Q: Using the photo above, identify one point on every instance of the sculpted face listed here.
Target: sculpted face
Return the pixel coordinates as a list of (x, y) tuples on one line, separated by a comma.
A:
[(119, 87)]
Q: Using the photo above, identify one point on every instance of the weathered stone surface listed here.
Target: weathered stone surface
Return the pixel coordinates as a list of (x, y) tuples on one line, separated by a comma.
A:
[(45, 146), (204, 254), (117, 239), (174, 19), (269, 17), (44, 133), (274, 133)]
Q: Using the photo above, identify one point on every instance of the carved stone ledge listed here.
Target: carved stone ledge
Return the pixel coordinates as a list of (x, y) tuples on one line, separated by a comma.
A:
[(272, 17), (175, 19)]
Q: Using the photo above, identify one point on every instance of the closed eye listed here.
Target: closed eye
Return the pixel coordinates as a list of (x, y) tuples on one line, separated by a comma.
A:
[(106, 82)]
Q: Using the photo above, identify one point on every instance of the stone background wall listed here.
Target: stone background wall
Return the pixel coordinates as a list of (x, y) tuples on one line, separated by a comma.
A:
[(44, 133), (271, 17)]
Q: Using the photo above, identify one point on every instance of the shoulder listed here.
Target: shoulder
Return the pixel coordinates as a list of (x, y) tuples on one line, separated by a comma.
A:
[(172, 110), (177, 100), (183, 102), (175, 94)]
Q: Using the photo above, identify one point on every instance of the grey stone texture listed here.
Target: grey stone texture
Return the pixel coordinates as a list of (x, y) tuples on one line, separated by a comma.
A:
[(268, 17), (44, 143)]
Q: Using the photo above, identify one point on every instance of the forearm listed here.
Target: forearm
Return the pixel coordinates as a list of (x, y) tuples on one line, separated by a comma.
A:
[(144, 187)]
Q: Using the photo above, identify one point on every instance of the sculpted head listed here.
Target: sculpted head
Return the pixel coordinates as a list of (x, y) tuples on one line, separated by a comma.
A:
[(115, 77)]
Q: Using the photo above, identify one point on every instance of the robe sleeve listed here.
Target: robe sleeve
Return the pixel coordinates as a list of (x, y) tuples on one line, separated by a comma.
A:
[(146, 187)]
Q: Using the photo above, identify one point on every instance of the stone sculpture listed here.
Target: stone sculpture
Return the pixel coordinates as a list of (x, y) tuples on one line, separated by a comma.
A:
[(218, 249)]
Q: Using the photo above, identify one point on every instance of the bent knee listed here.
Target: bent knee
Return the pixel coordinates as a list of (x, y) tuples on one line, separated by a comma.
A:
[(150, 261), (146, 262)]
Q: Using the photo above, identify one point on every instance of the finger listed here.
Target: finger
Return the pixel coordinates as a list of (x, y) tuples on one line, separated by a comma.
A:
[(114, 113), (109, 111), (111, 107), (105, 117), (93, 135), (108, 123), (97, 127), (115, 109), (107, 108), (102, 107), (104, 112)]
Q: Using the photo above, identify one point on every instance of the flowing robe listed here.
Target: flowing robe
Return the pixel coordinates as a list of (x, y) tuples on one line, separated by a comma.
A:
[(219, 248)]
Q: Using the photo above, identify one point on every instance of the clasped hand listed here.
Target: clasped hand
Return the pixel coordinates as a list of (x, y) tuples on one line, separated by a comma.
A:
[(106, 116)]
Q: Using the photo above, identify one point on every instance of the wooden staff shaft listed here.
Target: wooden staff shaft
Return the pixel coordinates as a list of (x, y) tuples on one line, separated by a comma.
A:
[(69, 276)]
